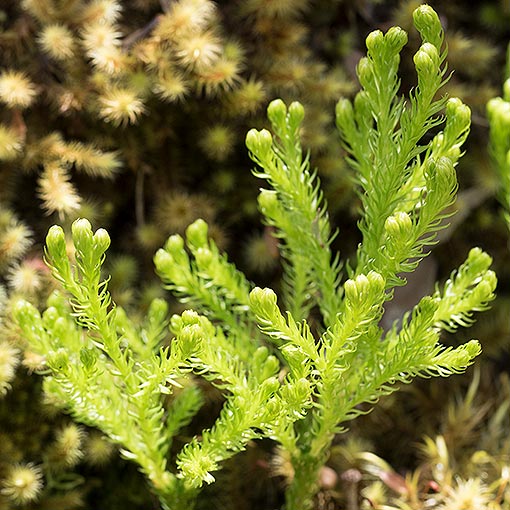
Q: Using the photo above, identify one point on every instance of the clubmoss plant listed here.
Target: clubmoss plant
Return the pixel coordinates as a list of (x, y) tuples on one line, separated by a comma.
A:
[(466, 465), (405, 190), (115, 376), (498, 111), (283, 376)]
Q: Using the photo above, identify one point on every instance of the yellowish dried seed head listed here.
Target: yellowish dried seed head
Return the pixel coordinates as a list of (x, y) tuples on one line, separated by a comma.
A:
[(33, 362), (57, 192), (16, 90), (58, 42), (108, 59), (98, 450), (8, 363), (218, 142), (22, 484), (15, 239), (89, 159), (50, 11), (234, 52), (25, 278), (121, 106), (221, 76), (247, 97), (199, 51), (66, 450), (185, 17), (100, 35), (171, 86), (10, 143), (105, 11), (151, 53), (224, 73), (102, 44), (468, 494)]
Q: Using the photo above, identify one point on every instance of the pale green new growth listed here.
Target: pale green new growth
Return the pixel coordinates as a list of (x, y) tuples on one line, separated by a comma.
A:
[(498, 112), (281, 378), (208, 283), (405, 189), (112, 374), (108, 373), (294, 207)]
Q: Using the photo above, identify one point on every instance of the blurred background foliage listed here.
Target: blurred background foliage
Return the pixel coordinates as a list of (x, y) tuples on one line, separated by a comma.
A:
[(133, 113)]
